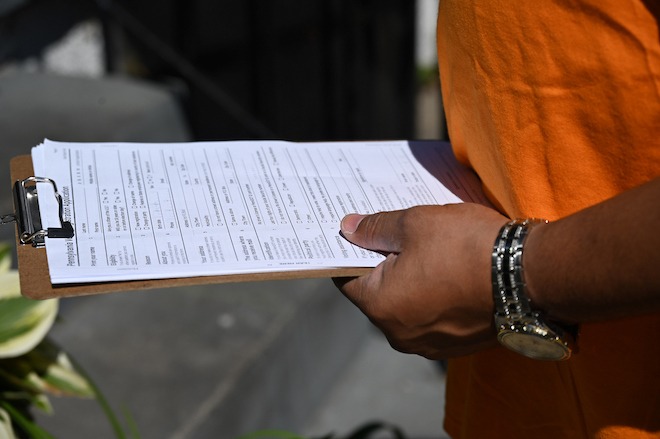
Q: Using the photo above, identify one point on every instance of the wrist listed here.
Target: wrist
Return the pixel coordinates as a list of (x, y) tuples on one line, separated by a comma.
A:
[(541, 272)]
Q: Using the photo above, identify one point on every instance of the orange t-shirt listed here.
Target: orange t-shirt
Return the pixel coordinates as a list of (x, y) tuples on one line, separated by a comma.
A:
[(556, 105)]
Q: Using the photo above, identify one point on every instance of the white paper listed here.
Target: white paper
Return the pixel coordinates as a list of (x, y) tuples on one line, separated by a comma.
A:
[(153, 211)]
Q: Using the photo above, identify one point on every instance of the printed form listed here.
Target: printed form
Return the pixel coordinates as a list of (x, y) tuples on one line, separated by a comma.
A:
[(153, 211)]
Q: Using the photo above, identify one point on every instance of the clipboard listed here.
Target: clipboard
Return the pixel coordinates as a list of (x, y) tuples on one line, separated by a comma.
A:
[(33, 264), (436, 156)]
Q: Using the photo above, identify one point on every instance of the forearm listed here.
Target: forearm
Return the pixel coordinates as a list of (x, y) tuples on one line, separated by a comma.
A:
[(600, 263)]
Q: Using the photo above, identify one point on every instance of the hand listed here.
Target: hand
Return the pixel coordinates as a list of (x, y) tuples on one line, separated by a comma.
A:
[(433, 294)]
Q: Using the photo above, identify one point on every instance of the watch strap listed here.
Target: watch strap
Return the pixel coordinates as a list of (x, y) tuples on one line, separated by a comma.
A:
[(511, 301)]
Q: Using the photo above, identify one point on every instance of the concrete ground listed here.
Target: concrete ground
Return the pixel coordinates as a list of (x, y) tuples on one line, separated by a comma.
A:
[(381, 384)]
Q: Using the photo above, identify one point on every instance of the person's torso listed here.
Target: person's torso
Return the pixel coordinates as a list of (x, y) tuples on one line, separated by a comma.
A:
[(556, 105)]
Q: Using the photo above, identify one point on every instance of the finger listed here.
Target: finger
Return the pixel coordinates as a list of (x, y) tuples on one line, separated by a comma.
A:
[(363, 291), (380, 231), (341, 281)]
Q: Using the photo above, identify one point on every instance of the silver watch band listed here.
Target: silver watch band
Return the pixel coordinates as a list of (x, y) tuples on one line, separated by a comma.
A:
[(511, 302), (519, 327)]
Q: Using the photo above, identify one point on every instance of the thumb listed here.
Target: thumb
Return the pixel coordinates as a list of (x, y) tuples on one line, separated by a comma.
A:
[(379, 232)]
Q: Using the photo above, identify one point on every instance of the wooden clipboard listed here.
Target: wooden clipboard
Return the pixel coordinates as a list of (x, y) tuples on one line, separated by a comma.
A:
[(35, 278), (436, 156)]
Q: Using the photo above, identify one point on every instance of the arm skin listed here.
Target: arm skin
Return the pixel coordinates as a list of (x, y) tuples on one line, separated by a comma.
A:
[(433, 295)]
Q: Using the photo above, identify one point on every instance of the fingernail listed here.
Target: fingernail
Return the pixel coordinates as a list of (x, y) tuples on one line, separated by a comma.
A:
[(350, 223)]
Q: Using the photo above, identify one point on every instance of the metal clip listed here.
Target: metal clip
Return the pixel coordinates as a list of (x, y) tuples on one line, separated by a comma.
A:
[(28, 216)]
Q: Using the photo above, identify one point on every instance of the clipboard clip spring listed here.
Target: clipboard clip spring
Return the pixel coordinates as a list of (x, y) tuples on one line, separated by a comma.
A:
[(28, 217)]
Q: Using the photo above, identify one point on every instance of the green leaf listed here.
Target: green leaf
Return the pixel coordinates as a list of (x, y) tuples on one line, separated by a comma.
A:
[(23, 322), (15, 376), (26, 424), (55, 372), (42, 402), (45, 369), (131, 424), (6, 430), (64, 381), (103, 402), (39, 400), (5, 257)]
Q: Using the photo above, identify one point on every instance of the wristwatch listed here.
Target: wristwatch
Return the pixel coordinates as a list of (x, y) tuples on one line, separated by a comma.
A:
[(519, 327)]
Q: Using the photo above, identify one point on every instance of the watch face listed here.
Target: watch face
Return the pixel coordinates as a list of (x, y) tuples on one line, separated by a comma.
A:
[(534, 346)]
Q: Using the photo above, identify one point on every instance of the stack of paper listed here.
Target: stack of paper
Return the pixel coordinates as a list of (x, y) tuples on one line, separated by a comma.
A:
[(154, 211)]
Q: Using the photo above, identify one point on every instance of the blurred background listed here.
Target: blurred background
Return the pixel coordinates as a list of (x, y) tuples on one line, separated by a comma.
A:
[(221, 361)]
